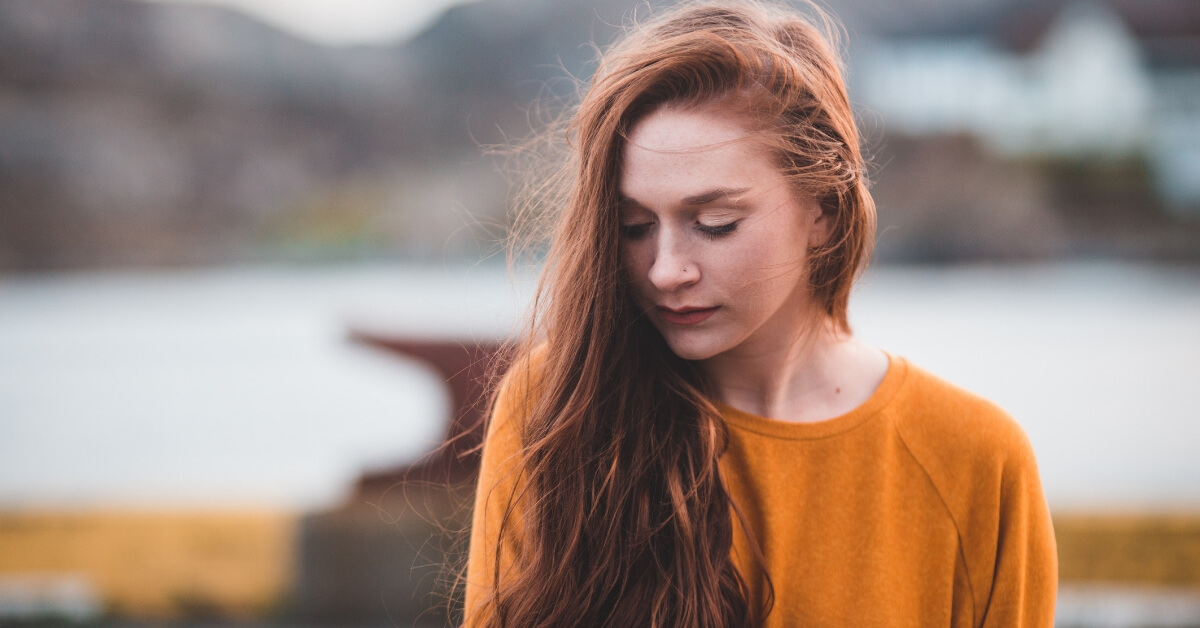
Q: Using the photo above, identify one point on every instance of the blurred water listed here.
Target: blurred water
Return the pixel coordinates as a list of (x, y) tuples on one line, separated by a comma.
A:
[(221, 388), (236, 386)]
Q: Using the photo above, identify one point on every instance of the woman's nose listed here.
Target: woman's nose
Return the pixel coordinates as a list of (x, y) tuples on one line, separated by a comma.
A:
[(672, 267)]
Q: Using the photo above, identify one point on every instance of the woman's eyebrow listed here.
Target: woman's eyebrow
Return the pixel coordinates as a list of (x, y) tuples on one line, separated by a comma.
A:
[(715, 194), (628, 203), (695, 200)]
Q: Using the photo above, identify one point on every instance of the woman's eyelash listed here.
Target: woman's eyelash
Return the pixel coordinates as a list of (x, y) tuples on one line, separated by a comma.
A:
[(716, 231), (634, 232)]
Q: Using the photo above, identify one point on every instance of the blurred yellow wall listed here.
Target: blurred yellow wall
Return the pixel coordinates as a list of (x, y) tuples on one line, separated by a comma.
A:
[(1151, 550), (241, 564), (160, 564)]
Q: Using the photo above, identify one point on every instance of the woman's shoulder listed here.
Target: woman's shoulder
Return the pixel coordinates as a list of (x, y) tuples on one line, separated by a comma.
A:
[(500, 465), (516, 390), (982, 466), (522, 375), (954, 432)]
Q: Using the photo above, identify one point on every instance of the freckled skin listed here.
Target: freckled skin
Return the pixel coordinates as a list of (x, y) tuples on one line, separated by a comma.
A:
[(680, 254)]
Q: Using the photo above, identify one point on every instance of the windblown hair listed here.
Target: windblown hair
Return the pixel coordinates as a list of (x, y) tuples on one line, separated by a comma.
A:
[(624, 519)]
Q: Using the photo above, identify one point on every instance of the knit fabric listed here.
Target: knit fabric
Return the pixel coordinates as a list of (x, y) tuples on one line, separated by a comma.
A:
[(921, 507)]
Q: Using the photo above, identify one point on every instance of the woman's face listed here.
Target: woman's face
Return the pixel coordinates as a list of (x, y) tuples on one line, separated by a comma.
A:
[(713, 239)]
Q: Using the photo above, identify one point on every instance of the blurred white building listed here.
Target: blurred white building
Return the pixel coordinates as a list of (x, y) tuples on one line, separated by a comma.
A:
[(1092, 79)]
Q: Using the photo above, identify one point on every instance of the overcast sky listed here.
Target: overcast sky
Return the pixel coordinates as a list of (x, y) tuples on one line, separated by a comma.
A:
[(343, 22)]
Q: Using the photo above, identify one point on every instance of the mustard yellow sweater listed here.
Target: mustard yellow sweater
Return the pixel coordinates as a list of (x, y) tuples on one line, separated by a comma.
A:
[(922, 507)]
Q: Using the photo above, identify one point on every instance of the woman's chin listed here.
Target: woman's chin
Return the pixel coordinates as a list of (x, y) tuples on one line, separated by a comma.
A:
[(690, 347)]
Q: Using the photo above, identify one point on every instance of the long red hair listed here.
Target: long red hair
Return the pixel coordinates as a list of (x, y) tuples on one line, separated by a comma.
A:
[(625, 520)]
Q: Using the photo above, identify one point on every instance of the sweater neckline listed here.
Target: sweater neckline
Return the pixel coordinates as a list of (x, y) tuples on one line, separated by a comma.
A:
[(893, 380)]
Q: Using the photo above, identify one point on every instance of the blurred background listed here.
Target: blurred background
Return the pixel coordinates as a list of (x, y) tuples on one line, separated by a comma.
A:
[(251, 277)]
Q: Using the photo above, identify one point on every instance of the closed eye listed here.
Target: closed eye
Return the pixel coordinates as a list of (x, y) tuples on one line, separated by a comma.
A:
[(635, 231), (716, 231)]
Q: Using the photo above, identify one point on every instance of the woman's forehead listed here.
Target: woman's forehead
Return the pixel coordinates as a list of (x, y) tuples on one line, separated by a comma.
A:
[(690, 159), (671, 130)]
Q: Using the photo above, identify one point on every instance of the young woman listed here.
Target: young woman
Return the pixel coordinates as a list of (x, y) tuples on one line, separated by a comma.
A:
[(695, 438)]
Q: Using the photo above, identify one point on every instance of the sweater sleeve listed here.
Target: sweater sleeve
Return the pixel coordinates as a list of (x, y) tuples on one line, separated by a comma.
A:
[(1025, 580), (489, 555), (983, 466)]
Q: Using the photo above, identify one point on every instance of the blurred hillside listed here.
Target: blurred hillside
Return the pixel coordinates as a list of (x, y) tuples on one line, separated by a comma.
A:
[(137, 134)]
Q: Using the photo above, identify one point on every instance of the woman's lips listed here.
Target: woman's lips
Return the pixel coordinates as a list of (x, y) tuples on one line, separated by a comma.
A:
[(686, 315)]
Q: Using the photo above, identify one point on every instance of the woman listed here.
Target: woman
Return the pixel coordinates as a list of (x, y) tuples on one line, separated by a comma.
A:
[(695, 438)]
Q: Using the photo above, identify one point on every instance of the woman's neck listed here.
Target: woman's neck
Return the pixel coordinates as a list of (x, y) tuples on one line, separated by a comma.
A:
[(821, 375)]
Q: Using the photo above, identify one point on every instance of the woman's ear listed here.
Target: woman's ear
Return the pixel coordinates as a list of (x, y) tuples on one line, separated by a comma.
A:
[(822, 214)]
